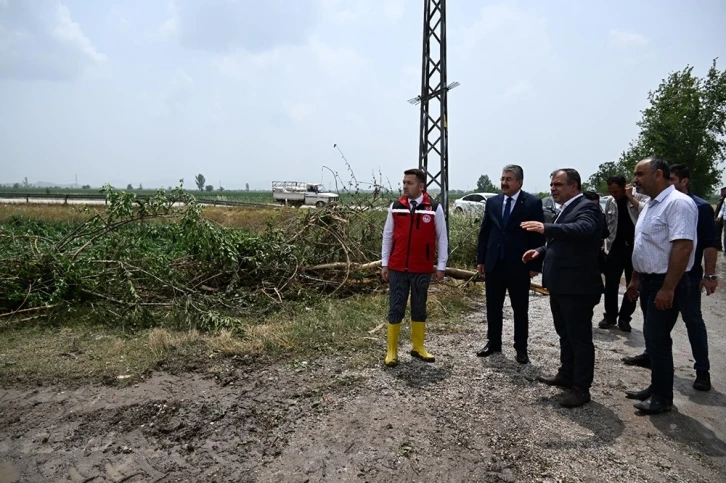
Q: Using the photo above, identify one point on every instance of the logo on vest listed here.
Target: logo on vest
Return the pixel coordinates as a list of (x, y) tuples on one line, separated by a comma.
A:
[(427, 218)]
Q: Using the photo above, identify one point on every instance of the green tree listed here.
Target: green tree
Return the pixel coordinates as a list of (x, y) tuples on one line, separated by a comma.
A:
[(485, 185), (209, 187), (129, 187), (200, 180), (247, 186), (685, 123), (598, 181)]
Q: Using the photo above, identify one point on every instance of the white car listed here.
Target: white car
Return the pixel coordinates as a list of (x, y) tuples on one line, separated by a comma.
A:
[(472, 204)]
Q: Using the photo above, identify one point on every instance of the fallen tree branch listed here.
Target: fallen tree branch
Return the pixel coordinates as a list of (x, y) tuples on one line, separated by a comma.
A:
[(455, 273), (33, 309), (338, 265)]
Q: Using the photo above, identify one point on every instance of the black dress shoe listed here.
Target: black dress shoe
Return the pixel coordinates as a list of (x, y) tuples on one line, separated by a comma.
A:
[(703, 381), (558, 380), (641, 360), (606, 323), (575, 398), (624, 325), (489, 349), (639, 395), (522, 357), (653, 407)]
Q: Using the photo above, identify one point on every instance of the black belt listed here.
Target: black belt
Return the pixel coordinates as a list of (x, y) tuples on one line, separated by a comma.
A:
[(652, 275)]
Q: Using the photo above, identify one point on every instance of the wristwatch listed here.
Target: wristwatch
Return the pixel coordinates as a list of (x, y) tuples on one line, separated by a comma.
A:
[(712, 278)]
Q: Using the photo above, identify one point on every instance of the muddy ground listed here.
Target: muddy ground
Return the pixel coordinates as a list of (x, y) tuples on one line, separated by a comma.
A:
[(460, 419)]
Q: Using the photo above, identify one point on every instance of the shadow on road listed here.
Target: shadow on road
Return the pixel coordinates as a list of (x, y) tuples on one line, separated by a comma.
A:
[(419, 374), (686, 430), (605, 425), (710, 398)]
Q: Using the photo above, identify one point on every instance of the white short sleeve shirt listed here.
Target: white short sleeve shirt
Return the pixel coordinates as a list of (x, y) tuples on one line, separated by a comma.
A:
[(670, 216)]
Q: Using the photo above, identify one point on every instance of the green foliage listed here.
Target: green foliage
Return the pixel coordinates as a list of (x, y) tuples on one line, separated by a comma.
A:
[(598, 181), (485, 185), (685, 123)]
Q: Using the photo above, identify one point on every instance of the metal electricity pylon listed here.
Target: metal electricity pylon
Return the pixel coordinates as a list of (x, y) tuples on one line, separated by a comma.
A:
[(433, 156)]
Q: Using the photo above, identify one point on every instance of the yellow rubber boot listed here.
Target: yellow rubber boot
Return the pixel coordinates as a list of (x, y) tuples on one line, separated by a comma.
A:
[(418, 331), (392, 355)]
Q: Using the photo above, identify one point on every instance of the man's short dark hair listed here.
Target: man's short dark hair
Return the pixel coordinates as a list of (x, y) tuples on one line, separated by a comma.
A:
[(572, 176), (724, 188), (659, 164), (681, 171), (618, 180), (517, 170), (419, 173), (591, 195)]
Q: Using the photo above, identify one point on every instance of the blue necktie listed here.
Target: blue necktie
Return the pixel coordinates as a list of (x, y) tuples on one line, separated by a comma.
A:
[(505, 219), (507, 212)]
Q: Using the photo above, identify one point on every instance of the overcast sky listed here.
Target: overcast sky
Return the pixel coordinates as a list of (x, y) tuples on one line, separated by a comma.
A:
[(146, 91)]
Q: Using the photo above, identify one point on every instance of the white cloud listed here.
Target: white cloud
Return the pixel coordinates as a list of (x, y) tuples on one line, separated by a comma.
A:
[(519, 90), (503, 30), (120, 22), (172, 96), (342, 11), (226, 26), (40, 40), (622, 39), (301, 111), (170, 28)]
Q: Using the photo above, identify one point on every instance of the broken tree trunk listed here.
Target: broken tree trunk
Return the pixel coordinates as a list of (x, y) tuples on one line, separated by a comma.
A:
[(455, 273)]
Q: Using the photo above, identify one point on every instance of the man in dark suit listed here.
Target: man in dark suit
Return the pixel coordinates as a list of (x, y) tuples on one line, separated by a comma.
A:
[(572, 276), (502, 242)]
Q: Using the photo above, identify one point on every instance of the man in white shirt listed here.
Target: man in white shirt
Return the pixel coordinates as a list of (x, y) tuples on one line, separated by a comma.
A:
[(663, 251)]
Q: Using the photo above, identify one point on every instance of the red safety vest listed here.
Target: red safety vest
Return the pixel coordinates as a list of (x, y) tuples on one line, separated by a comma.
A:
[(414, 236)]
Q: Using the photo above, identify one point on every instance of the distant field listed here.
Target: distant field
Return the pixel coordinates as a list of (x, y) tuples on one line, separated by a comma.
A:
[(226, 195), (245, 196)]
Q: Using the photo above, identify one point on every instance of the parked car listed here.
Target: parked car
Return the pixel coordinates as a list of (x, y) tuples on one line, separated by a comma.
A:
[(551, 209), (472, 204), (603, 202)]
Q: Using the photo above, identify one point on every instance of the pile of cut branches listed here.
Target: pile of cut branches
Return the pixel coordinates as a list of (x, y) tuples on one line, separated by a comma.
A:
[(142, 260)]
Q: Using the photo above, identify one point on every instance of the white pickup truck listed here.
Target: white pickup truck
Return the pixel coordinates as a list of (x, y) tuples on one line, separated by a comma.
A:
[(298, 193)]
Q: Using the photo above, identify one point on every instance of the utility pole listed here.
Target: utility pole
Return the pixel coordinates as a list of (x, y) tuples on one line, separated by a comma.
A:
[(433, 156)]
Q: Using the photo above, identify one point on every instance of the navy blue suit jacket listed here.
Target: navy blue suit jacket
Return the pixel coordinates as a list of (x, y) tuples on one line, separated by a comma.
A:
[(515, 240), (573, 246)]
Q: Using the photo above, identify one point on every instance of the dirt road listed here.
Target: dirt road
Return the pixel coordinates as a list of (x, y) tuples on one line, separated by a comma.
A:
[(460, 419)]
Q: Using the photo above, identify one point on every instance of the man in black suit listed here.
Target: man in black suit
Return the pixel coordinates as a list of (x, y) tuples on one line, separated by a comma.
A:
[(502, 242), (572, 276)]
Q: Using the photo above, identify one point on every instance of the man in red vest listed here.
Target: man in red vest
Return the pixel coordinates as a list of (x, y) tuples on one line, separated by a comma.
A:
[(415, 229)]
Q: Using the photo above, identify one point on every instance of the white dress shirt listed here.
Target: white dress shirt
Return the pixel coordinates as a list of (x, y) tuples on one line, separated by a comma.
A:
[(565, 205), (442, 245), (669, 216)]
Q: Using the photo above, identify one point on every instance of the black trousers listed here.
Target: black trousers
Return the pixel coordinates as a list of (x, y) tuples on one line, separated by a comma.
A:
[(572, 316), (657, 327), (619, 260), (501, 279)]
